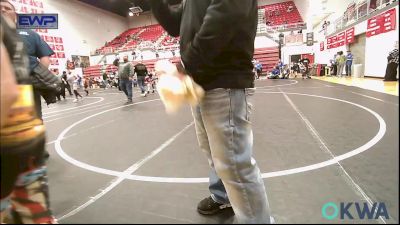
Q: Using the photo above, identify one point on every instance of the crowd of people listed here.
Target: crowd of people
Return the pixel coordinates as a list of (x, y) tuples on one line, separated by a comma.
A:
[(284, 71), (341, 63), (74, 83), (129, 76)]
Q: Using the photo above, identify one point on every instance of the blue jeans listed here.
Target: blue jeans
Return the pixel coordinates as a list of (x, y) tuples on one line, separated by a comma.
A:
[(225, 134), (348, 69), (126, 87), (140, 80)]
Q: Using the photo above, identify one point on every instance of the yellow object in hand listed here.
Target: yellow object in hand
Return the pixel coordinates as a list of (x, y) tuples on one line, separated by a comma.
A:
[(173, 90)]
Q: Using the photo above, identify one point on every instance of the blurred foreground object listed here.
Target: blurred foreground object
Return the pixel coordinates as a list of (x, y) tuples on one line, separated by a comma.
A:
[(176, 89)]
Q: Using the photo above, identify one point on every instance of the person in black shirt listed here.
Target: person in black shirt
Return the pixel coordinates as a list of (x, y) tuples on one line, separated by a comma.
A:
[(141, 73), (217, 46), (66, 84), (306, 63)]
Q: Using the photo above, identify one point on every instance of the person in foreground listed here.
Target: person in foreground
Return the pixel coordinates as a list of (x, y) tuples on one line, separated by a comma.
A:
[(217, 46)]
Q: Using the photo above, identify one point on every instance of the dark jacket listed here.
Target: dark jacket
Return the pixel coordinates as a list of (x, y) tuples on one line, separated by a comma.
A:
[(217, 39), (141, 70)]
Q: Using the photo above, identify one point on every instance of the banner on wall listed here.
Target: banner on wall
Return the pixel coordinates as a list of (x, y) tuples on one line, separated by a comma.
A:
[(310, 39), (294, 39), (50, 37), (389, 20), (80, 61), (31, 6), (374, 26), (350, 35), (341, 39), (60, 55), (54, 62), (58, 40), (59, 48), (382, 23)]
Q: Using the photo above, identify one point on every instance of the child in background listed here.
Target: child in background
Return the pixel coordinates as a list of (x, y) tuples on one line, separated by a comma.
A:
[(150, 82), (76, 86), (274, 73), (86, 86)]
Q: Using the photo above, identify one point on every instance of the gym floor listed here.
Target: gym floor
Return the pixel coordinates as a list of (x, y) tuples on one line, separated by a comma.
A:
[(314, 141)]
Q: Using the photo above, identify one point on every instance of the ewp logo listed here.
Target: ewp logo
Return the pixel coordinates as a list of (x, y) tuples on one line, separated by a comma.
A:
[(363, 210), (37, 21)]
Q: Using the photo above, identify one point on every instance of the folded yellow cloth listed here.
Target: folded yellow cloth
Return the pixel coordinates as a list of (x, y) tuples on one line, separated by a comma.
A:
[(175, 91)]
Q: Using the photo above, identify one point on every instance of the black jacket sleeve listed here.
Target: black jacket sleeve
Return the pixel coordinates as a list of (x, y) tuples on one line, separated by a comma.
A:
[(218, 28), (169, 18)]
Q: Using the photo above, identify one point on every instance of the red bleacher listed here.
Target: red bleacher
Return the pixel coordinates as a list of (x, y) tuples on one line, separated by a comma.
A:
[(128, 41), (151, 33), (120, 40), (268, 57), (169, 40), (277, 14), (96, 71)]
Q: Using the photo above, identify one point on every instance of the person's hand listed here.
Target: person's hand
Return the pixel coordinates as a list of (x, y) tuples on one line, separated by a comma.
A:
[(163, 67)]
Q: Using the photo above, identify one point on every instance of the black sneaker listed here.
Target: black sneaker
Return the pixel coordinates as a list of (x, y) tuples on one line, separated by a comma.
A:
[(46, 155), (208, 206)]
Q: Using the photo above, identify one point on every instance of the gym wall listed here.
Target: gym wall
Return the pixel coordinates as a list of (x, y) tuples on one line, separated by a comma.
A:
[(376, 48)]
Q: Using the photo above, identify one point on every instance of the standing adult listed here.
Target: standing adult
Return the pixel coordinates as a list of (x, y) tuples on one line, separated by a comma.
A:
[(393, 64), (64, 78), (340, 61), (22, 137), (334, 65), (125, 72), (349, 62), (141, 73), (218, 57), (39, 53)]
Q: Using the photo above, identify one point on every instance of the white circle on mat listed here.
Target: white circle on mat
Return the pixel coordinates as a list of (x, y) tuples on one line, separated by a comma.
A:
[(336, 159)]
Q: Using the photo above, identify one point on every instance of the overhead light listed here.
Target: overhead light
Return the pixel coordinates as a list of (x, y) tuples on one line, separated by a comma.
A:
[(136, 9)]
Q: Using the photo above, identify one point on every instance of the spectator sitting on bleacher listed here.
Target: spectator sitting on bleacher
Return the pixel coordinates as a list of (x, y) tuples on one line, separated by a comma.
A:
[(290, 9)]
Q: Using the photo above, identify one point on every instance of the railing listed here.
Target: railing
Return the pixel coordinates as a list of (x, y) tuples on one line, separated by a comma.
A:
[(356, 13)]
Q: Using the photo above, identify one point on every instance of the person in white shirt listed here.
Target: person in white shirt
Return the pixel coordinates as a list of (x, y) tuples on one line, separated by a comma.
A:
[(76, 85)]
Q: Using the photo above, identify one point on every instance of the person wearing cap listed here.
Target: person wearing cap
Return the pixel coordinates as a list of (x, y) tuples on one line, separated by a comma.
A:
[(24, 187)]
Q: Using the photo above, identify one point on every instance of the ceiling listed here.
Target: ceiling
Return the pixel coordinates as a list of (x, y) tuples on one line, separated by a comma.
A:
[(121, 7)]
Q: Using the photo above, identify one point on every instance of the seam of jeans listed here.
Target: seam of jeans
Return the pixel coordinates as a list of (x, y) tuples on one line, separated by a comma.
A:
[(233, 162), (231, 123), (247, 105)]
